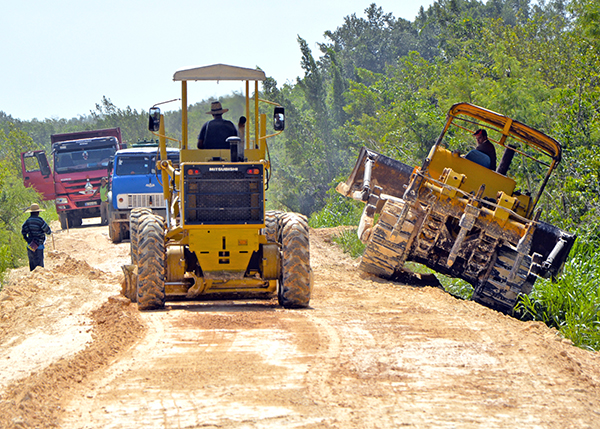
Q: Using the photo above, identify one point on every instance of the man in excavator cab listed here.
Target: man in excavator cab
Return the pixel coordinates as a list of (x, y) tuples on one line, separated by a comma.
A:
[(485, 152)]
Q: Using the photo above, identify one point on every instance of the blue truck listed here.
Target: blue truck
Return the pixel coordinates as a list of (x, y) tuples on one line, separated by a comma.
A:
[(134, 183)]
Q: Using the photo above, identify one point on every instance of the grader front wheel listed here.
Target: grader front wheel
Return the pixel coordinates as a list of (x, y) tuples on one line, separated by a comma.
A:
[(134, 225), (295, 280), (151, 264)]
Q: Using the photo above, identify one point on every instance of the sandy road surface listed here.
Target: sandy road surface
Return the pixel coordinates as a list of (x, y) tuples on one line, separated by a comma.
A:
[(367, 354)]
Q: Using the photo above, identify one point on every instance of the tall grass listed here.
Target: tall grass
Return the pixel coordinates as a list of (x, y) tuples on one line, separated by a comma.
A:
[(338, 211), (571, 304), (348, 240), (341, 211), (456, 287)]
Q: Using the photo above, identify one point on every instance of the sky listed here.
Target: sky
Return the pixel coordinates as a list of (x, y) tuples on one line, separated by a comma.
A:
[(59, 58)]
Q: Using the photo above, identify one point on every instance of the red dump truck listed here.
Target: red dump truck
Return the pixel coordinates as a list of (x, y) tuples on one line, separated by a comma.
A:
[(80, 160)]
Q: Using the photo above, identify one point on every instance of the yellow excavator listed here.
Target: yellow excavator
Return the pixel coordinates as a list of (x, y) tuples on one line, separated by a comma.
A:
[(457, 216)]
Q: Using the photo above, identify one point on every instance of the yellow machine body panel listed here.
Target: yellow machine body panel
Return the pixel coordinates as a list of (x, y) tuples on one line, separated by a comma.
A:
[(209, 155), (462, 219), (223, 249), (475, 174)]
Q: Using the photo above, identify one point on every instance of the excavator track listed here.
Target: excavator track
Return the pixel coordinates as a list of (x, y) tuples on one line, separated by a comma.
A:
[(429, 234), (386, 251), (497, 291), (481, 257)]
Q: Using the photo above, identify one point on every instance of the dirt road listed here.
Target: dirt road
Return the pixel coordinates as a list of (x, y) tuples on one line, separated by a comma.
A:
[(367, 354)]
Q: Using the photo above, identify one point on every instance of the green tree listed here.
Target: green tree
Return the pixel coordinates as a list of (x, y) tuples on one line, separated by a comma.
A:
[(134, 125), (369, 43)]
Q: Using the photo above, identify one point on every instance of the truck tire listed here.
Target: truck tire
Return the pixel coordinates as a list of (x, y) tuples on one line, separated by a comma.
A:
[(496, 292), (134, 224), (63, 220), (295, 280), (385, 252), (151, 264), (75, 220), (114, 232)]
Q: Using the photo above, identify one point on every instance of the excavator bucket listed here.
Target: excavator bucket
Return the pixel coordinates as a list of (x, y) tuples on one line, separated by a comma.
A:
[(374, 173), (375, 179)]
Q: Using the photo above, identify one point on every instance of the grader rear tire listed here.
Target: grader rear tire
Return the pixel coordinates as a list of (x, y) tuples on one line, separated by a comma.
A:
[(271, 225), (134, 225), (151, 264), (295, 280)]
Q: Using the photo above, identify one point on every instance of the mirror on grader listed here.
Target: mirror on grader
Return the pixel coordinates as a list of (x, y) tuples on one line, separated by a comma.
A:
[(279, 118), (154, 119)]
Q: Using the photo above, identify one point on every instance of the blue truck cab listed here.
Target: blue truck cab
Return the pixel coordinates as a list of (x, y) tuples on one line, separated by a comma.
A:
[(134, 183)]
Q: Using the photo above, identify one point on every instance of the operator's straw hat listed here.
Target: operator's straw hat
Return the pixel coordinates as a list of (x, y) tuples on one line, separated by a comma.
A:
[(34, 208), (216, 109)]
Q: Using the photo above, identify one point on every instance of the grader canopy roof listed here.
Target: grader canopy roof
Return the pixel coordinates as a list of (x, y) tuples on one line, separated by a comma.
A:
[(219, 72), (509, 126)]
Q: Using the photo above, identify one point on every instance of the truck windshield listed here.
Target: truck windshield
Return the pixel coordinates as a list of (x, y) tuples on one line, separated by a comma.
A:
[(82, 159), (130, 165), (126, 165)]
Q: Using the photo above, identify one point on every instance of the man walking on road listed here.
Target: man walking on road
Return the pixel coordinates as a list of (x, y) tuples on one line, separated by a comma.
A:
[(34, 232)]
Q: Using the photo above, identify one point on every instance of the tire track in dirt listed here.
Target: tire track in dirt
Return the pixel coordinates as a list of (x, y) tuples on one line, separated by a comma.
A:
[(191, 370)]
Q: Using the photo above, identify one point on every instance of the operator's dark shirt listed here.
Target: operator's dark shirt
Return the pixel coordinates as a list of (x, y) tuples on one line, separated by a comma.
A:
[(214, 133), (488, 148), (35, 229)]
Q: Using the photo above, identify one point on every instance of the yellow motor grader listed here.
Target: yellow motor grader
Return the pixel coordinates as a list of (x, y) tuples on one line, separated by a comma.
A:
[(459, 217), (217, 237)]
